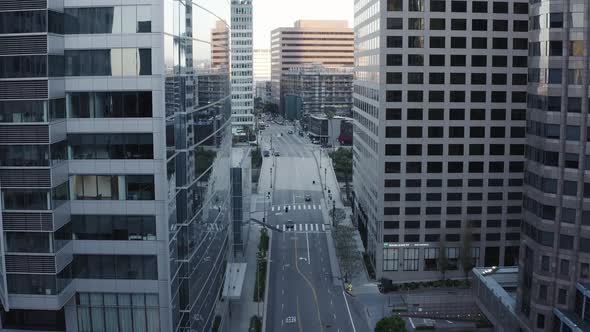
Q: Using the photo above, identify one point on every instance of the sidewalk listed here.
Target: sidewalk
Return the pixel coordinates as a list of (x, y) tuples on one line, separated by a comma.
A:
[(328, 180), (241, 311)]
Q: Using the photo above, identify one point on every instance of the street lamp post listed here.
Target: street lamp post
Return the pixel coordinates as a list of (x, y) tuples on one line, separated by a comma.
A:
[(334, 213), (267, 196), (325, 178), (271, 178)]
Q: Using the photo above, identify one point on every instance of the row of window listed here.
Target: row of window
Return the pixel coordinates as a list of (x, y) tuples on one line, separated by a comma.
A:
[(111, 146), (438, 60), (414, 238), (457, 24), (450, 210), (498, 43), (455, 167), (556, 20), (454, 132), (143, 267), (550, 158), (113, 228), (475, 114), (454, 96), (546, 238), (438, 149), (113, 187), (32, 110), (554, 76), (430, 224), (552, 131), (548, 185), (128, 104), (437, 197), (451, 183), (30, 21), (83, 187), (456, 6), (553, 103), (108, 62), (455, 78), (31, 66), (117, 312), (117, 19), (555, 48)]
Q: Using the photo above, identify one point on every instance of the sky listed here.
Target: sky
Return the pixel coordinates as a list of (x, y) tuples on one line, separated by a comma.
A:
[(272, 14)]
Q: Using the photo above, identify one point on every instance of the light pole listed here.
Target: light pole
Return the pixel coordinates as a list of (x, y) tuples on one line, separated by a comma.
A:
[(267, 196), (334, 213), (271, 178), (325, 178)]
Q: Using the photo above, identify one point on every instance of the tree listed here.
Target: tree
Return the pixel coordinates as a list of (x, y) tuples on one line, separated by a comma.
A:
[(342, 159), (271, 108), (443, 262), (346, 250), (466, 259), (391, 324)]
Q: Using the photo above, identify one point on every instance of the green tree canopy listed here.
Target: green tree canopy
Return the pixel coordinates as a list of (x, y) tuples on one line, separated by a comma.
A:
[(391, 324)]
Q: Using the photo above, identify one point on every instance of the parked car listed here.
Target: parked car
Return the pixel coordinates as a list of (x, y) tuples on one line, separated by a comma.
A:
[(290, 132), (277, 154), (266, 153)]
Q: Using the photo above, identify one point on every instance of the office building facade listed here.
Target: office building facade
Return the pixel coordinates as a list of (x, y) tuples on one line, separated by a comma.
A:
[(261, 58), (321, 89), (330, 43), (113, 169), (554, 291), (242, 84), (439, 109)]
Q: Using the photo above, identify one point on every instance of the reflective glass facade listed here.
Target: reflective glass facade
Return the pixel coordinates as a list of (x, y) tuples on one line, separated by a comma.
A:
[(114, 165), (555, 251)]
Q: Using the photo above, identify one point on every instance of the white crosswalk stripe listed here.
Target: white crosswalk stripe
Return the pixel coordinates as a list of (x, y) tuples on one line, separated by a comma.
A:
[(298, 207), (304, 228)]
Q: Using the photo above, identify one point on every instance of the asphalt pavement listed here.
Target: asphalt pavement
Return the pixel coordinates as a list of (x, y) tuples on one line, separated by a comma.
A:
[(302, 296)]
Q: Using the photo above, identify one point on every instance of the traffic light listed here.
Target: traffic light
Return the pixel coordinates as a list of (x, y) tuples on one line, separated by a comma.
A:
[(286, 209)]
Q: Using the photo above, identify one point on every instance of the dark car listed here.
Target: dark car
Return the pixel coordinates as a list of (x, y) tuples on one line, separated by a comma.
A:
[(289, 225), (266, 153), (307, 197)]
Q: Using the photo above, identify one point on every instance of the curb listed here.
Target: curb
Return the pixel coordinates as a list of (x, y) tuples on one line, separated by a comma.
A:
[(334, 265), (267, 281)]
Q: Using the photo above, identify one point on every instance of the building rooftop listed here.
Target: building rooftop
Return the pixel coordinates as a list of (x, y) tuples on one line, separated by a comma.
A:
[(502, 281), (322, 24)]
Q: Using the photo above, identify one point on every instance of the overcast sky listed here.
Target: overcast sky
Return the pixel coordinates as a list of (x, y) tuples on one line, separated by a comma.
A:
[(271, 14)]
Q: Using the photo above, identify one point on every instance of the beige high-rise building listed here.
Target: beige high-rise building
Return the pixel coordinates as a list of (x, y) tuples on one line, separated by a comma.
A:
[(328, 42), (220, 45)]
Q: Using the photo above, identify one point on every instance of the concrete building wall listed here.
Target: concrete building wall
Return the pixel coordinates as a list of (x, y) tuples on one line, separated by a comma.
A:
[(439, 103), (261, 65), (242, 84), (330, 43)]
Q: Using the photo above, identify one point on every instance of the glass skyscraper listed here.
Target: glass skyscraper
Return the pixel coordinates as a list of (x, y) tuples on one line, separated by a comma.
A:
[(554, 284), (115, 137)]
